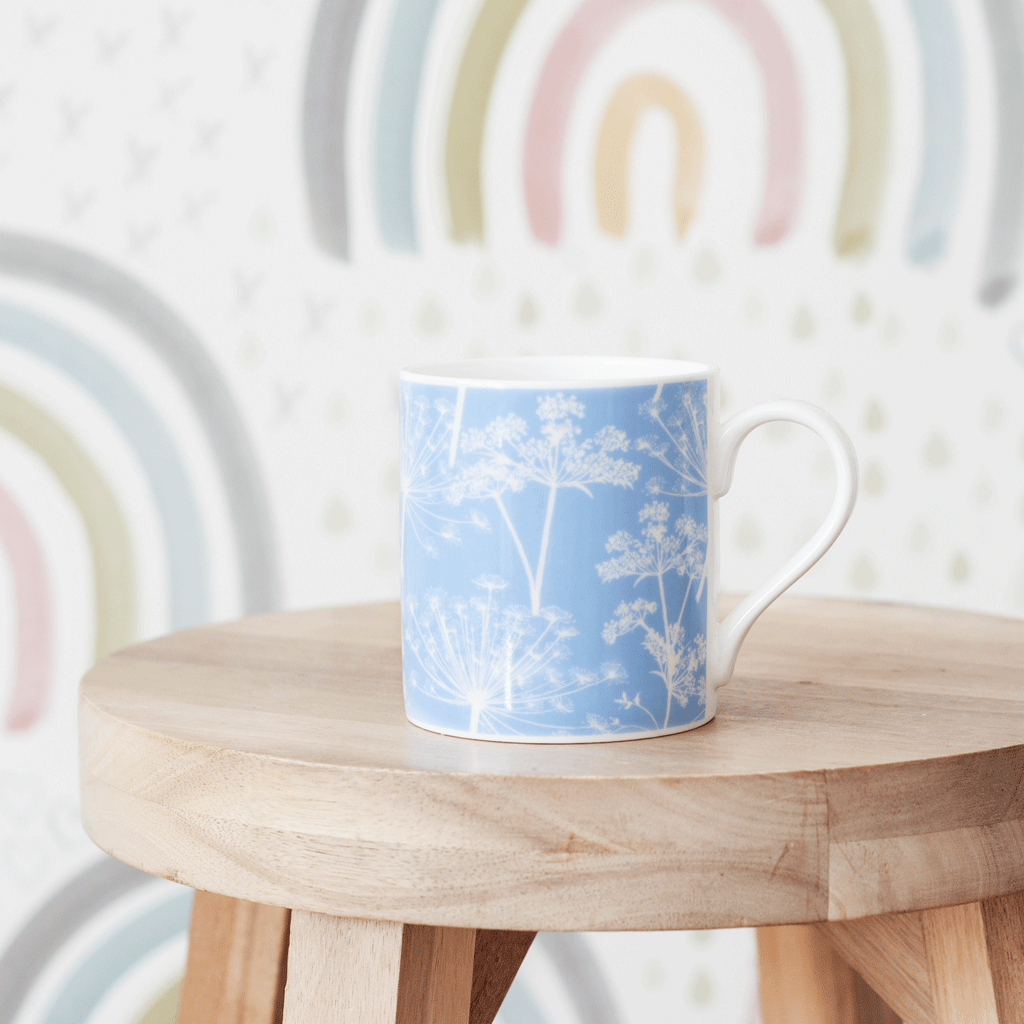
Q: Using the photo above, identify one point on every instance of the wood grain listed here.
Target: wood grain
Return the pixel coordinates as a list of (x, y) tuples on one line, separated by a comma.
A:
[(962, 989), (802, 979), (948, 965), (871, 1007), (865, 759), (344, 971), (497, 958), (436, 978), (1003, 921), (889, 953), (235, 972)]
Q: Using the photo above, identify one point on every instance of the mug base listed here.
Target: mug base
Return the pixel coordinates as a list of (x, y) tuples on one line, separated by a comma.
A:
[(598, 737)]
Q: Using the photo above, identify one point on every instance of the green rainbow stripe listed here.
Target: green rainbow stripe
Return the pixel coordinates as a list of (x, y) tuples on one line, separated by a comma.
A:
[(468, 111), (105, 527), (164, 1009), (867, 151)]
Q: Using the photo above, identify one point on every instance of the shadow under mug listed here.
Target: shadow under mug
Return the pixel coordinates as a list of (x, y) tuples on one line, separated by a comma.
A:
[(559, 546)]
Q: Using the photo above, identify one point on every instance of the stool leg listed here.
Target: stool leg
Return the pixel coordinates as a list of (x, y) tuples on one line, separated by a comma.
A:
[(804, 981), (952, 965), (351, 971), (236, 962), (976, 961), (497, 956)]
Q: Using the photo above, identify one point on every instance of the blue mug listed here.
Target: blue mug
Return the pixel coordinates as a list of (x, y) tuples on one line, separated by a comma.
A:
[(559, 545)]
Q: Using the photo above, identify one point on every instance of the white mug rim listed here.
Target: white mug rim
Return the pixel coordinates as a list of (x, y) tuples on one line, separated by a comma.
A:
[(569, 372)]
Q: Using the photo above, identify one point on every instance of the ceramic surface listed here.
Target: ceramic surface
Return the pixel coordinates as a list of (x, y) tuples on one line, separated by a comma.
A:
[(557, 548)]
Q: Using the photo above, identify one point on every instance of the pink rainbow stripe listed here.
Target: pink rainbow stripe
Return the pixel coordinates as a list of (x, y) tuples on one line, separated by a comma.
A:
[(566, 63), (32, 600)]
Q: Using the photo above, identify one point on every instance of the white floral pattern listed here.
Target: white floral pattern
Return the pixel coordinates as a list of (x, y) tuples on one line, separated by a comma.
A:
[(661, 551), (508, 606), (682, 445), (424, 476), (509, 459), (498, 663)]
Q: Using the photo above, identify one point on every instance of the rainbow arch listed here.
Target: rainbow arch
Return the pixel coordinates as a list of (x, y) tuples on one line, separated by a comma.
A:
[(939, 185), (33, 633), (180, 350), (563, 69), (69, 909), (142, 427)]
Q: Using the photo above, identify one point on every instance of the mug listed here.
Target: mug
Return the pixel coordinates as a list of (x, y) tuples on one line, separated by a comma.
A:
[(559, 548)]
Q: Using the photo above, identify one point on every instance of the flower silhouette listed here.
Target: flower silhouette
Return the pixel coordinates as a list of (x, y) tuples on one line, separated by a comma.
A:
[(682, 447), (509, 459), (498, 662), (425, 475), (660, 551)]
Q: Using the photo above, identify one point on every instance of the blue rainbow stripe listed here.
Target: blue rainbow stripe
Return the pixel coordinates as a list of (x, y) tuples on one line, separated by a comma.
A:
[(942, 62), (400, 82)]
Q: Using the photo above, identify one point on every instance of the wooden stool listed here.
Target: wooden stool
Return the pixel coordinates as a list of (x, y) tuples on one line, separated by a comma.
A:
[(862, 787)]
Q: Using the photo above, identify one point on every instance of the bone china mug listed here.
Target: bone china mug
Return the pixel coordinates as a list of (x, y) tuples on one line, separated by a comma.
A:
[(559, 545)]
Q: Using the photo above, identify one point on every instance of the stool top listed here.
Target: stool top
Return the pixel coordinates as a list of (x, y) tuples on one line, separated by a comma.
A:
[(865, 759)]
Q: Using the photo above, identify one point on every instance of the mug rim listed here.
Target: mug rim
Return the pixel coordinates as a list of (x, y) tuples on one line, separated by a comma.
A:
[(555, 372)]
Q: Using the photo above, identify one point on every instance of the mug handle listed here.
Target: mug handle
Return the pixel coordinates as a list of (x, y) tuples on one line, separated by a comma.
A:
[(732, 630)]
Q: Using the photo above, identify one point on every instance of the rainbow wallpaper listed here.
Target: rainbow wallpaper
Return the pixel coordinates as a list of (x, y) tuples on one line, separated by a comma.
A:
[(929, 219), (224, 226)]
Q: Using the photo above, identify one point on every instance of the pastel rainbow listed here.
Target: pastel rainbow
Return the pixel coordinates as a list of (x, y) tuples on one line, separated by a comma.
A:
[(163, 331), (34, 616), (867, 145), (568, 59), (99, 971), (143, 429)]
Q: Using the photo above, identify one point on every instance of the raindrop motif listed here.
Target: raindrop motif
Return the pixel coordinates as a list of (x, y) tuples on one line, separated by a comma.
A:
[(707, 268), (937, 452), (862, 574)]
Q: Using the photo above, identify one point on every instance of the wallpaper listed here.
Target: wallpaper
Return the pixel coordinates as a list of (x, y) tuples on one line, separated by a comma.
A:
[(225, 226)]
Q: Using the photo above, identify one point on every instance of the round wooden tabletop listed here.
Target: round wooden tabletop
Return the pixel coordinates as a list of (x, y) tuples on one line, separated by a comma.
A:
[(865, 759)]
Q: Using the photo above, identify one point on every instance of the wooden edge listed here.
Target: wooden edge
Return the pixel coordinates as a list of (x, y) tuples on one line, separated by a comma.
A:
[(236, 962), (497, 958)]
